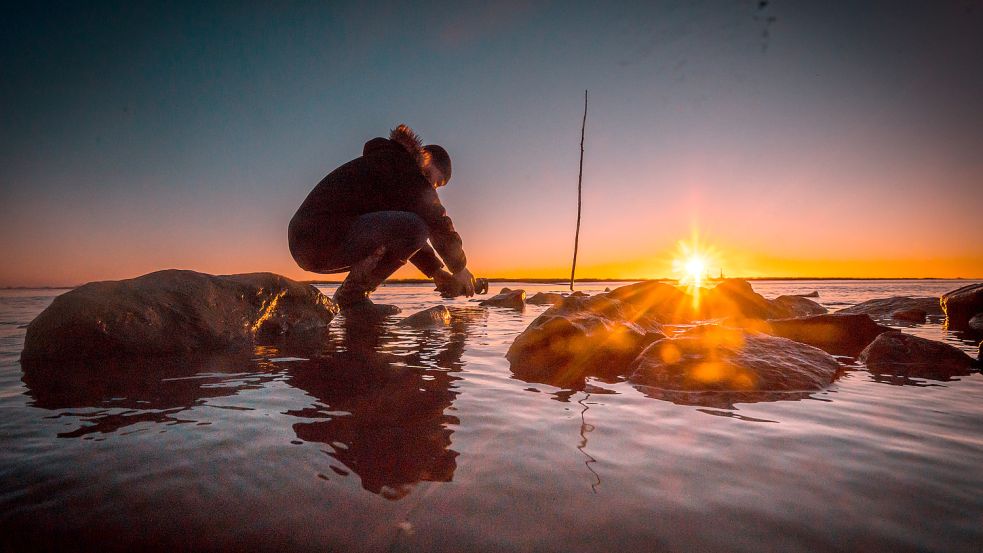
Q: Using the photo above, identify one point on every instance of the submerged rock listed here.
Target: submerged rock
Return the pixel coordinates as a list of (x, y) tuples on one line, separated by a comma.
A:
[(909, 315), (961, 304), (715, 358), (885, 307), (799, 306), (545, 298), (580, 337), (175, 312), (906, 355), (834, 333), (515, 299), (438, 315)]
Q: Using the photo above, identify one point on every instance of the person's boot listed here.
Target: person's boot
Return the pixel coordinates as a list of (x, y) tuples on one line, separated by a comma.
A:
[(353, 294)]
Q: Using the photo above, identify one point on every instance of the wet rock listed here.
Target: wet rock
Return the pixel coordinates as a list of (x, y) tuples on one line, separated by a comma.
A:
[(515, 299), (736, 298), (909, 315), (884, 308), (175, 312), (607, 289), (545, 298), (716, 358), (976, 322), (799, 306), (961, 304), (906, 355), (505, 290), (834, 333), (438, 315), (813, 294), (580, 337), (655, 300)]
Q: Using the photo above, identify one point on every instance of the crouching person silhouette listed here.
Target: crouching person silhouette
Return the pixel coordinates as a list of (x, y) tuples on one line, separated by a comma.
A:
[(373, 214)]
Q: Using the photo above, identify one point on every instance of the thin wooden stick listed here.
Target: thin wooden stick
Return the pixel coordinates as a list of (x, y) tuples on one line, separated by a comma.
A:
[(580, 190)]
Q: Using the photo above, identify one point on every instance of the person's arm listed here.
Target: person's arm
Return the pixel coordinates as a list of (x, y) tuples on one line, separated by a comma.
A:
[(444, 238)]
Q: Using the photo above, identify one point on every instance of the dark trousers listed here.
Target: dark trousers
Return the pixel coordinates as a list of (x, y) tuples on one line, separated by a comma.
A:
[(403, 234)]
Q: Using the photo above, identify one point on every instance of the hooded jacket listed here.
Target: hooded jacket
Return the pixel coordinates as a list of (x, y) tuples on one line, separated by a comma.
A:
[(388, 177)]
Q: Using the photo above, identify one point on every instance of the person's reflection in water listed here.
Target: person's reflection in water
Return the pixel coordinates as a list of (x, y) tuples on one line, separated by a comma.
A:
[(382, 398)]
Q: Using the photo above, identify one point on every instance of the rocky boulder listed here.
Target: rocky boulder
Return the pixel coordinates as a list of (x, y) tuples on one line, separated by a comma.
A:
[(514, 299), (799, 306), (883, 308), (716, 358), (736, 298), (545, 298), (962, 304), (580, 337), (910, 315), (902, 354), (434, 317), (834, 333), (175, 312)]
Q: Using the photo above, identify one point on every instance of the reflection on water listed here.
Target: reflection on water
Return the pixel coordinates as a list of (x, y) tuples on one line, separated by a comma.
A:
[(380, 414)]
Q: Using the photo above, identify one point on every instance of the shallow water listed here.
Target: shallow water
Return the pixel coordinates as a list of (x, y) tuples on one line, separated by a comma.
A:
[(408, 440)]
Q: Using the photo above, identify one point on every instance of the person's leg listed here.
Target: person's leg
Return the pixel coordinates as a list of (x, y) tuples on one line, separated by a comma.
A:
[(377, 244)]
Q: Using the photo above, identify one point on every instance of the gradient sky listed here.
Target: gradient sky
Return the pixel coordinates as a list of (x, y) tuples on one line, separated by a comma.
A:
[(797, 138)]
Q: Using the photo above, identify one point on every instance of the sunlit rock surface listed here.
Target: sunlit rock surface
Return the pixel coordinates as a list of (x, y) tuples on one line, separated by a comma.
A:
[(962, 304), (834, 333), (906, 355), (175, 312), (435, 316), (715, 358), (514, 299), (799, 306), (883, 308), (736, 298), (580, 337), (545, 298)]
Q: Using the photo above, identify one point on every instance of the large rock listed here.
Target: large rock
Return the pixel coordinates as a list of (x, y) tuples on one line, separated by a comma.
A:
[(736, 298), (580, 337), (799, 306), (175, 312), (434, 317), (514, 299), (906, 355), (961, 304), (545, 298), (716, 358), (883, 308), (834, 333)]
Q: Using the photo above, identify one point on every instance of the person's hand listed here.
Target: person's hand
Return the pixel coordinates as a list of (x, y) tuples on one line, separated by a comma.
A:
[(466, 280), (446, 284)]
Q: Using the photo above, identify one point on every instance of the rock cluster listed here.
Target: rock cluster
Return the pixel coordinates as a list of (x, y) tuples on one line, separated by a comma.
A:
[(962, 304), (175, 312)]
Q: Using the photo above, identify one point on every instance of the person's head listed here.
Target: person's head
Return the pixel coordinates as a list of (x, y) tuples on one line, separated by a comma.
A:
[(438, 170)]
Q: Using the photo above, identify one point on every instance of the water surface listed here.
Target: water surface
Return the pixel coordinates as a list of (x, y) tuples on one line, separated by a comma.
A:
[(405, 439)]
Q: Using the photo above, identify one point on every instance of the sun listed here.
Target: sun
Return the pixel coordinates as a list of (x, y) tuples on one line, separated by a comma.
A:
[(693, 261)]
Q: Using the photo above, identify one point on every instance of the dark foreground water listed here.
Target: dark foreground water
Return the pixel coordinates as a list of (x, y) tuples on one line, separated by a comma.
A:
[(408, 440)]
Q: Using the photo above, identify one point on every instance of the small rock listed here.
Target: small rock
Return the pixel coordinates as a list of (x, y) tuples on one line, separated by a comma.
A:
[(909, 315), (579, 294), (545, 298), (961, 304), (976, 323), (435, 316), (505, 290), (515, 299), (813, 294), (906, 355), (799, 306), (607, 289), (715, 358)]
